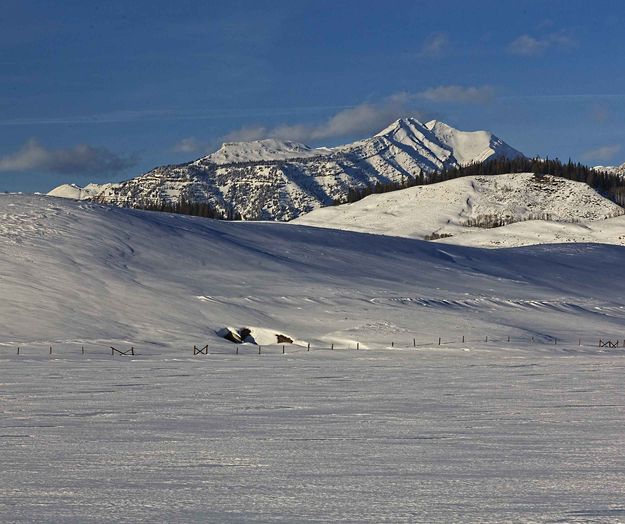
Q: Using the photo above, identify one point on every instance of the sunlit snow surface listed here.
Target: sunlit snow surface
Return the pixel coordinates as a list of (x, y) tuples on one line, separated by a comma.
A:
[(482, 431), (507, 433)]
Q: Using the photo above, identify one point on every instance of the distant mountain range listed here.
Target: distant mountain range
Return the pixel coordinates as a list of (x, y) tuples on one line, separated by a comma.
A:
[(280, 180), (615, 170)]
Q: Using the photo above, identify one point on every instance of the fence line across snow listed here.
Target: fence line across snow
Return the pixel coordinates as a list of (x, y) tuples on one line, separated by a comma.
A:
[(54, 351)]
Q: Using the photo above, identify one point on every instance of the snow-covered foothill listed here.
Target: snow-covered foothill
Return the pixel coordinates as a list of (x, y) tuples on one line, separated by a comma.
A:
[(539, 209), (75, 192), (75, 271)]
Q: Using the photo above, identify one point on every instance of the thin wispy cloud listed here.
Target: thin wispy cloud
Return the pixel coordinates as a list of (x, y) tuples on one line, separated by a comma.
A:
[(113, 117), (603, 153), (435, 45), (362, 119), (459, 94), (366, 118), (528, 45), (160, 115), (81, 159), (187, 145)]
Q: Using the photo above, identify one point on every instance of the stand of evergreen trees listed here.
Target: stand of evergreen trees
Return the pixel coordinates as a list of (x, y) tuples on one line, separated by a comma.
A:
[(355, 194), (196, 209), (610, 185)]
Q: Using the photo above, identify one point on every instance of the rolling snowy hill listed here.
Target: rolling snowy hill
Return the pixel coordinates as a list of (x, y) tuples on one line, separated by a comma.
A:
[(74, 192), (538, 210), (75, 272), (274, 179)]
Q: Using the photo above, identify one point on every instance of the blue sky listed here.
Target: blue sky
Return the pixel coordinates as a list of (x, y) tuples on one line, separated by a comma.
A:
[(98, 91)]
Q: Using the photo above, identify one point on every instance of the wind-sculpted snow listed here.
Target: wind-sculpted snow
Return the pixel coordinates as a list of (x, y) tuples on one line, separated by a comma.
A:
[(472, 433), (279, 180), (84, 272)]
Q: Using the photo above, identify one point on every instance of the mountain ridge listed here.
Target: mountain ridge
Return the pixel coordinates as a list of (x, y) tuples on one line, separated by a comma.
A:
[(275, 179)]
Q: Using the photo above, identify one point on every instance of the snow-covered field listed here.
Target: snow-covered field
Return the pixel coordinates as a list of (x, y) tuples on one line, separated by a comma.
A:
[(546, 210), (78, 272), (475, 431), (505, 434)]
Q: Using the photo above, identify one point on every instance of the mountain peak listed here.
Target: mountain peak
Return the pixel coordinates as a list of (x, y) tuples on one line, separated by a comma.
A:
[(267, 149), (407, 123), (471, 146)]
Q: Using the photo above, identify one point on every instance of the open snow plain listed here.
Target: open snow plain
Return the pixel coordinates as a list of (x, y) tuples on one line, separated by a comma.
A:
[(477, 431), (426, 435)]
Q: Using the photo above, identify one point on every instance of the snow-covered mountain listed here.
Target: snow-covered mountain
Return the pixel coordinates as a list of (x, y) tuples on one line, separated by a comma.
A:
[(538, 209), (616, 170), (275, 179), (261, 150)]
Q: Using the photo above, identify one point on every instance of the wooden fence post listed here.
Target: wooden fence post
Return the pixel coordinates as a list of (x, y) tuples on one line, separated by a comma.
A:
[(508, 338), (439, 341), (237, 350), (463, 338), (18, 350), (357, 345), (308, 348), (82, 349), (259, 350), (50, 350), (414, 342), (332, 346), (283, 350), (131, 351)]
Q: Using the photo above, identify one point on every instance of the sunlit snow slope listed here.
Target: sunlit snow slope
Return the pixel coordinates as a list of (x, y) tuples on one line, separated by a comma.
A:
[(536, 210), (76, 271)]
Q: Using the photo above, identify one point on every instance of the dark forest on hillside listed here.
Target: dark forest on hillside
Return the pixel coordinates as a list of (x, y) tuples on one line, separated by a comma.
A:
[(610, 185)]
